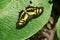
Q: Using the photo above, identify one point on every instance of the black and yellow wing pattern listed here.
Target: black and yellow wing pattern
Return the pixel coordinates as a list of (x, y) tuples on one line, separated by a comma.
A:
[(26, 15)]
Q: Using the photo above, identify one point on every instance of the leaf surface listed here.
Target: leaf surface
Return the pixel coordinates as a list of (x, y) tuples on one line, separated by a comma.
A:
[(9, 11)]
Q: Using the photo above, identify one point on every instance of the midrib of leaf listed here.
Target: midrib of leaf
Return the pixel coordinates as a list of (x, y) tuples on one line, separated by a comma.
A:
[(8, 5), (6, 8)]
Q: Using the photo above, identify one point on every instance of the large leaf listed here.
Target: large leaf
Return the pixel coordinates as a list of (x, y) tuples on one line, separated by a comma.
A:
[(9, 11)]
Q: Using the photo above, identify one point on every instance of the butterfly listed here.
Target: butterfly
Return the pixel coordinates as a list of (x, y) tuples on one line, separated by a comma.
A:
[(28, 14)]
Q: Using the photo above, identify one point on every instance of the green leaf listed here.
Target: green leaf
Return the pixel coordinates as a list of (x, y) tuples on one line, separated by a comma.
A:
[(4, 3), (58, 28), (9, 11)]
